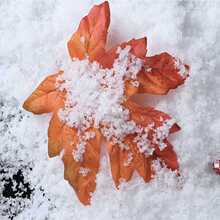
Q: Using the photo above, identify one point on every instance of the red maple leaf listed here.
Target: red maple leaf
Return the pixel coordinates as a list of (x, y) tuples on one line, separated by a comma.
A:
[(158, 74)]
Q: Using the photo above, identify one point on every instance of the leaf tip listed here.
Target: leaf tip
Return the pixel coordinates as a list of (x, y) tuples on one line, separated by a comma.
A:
[(28, 106)]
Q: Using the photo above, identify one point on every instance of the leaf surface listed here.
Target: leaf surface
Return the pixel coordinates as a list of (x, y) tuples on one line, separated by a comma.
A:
[(91, 35), (46, 97), (162, 73)]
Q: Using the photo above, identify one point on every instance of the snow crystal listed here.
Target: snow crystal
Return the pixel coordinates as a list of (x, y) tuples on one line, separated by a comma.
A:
[(84, 171), (78, 153), (144, 144), (81, 146), (162, 133), (182, 70), (89, 135), (129, 160)]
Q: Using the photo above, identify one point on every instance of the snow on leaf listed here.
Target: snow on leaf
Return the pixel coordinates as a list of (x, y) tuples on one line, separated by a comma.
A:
[(148, 116), (142, 145), (83, 185), (90, 101), (161, 73), (168, 156), (123, 165), (62, 138), (138, 49)]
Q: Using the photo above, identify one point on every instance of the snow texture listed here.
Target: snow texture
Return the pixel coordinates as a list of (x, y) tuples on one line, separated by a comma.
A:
[(94, 99), (33, 44)]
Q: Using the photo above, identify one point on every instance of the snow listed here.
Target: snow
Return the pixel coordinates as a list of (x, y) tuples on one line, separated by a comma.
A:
[(95, 94), (33, 44), (182, 70), (80, 150), (95, 98), (129, 160), (84, 171), (162, 133)]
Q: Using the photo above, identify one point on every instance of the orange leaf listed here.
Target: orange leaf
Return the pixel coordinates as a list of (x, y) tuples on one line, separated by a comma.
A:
[(81, 174), (120, 167), (130, 89), (162, 72), (90, 37), (138, 49), (46, 98), (55, 129), (124, 161), (80, 151)]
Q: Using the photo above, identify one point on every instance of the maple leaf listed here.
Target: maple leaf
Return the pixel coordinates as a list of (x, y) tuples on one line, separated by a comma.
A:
[(81, 153)]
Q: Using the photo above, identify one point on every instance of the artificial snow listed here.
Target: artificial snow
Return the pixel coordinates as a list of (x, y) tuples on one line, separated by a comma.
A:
[(182, 70), (33, 44), (95, 97), (84, 171)]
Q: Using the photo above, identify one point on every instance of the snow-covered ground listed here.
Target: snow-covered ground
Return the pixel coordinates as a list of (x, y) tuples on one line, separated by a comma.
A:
[(33, 36)]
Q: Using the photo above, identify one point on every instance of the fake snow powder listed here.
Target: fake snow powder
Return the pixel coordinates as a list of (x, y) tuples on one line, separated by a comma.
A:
[(130, 158), (80, 147), (162, 133), (183, 72), (94, 99), (84, 171)]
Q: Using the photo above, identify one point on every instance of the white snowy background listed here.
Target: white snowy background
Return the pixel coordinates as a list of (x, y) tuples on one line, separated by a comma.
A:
[(33, 36)]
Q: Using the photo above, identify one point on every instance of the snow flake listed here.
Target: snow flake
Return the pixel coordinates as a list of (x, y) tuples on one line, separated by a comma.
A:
[(84, 171), (78, 153), (162, 132), (182, 70), (129, 160), (143, 143)]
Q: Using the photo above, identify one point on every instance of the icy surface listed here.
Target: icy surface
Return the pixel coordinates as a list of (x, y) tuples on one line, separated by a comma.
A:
[(33, 44)]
